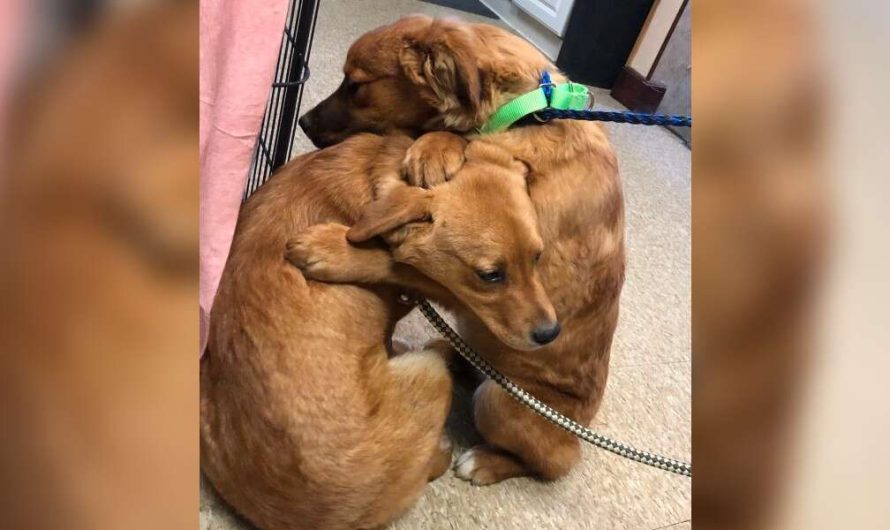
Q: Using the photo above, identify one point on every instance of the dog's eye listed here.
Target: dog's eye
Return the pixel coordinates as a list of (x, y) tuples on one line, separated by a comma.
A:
[(492, 276), (537, 258), (352, 87)]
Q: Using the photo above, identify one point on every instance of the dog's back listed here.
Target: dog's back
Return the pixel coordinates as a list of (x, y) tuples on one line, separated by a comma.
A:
[(300, 414)]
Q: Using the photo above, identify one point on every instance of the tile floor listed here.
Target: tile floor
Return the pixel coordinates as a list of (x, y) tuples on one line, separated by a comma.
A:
[(648, 400)]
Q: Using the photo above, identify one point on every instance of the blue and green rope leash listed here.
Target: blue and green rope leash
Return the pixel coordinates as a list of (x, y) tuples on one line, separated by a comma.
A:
[(551, 101)]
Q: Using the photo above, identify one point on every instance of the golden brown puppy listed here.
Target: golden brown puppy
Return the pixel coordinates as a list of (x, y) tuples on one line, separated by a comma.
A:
[(305, 420), (420, 74)]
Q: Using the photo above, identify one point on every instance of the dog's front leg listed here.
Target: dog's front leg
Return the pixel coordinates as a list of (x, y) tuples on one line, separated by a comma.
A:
[(324, 254), (433, 159)]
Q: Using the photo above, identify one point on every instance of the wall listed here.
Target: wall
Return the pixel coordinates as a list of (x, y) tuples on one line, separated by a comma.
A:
[(674, 70), (655, 31)]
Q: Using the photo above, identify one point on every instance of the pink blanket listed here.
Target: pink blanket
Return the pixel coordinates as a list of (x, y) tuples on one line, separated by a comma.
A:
[(13, 20), (239, 51)]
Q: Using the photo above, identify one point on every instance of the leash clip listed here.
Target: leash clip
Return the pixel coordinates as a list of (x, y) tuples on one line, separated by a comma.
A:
[(546, 85), (590, 101)]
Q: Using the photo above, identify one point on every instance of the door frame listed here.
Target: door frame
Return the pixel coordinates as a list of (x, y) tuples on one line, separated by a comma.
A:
[(556, 19)]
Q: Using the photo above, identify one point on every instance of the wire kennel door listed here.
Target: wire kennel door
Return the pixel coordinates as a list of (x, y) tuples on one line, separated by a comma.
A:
[(276, 137)]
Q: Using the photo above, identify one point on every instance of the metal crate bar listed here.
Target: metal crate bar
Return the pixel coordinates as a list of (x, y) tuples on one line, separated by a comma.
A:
[(276, 136)]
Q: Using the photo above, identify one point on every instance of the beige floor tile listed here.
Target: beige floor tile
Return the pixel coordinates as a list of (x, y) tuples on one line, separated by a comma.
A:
[(649, 407), (656, 302)]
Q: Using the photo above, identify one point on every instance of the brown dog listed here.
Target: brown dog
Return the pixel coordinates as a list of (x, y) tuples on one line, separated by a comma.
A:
[(421, 74), (305, 421)]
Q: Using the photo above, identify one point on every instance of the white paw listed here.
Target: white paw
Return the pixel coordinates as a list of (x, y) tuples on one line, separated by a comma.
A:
[(466, 465)]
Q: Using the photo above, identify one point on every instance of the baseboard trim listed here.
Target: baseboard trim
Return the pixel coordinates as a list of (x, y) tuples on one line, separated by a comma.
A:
[(636, 92)]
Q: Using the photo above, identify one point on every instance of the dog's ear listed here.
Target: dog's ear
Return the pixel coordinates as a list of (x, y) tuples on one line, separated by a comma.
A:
[(402, 205), (442, 60)]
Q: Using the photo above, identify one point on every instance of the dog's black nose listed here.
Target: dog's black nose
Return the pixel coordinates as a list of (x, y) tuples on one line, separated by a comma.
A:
[(307, 122), (546, 334)]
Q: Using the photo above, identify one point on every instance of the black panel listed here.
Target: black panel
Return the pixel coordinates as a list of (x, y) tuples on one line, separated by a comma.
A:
[(599, 37)]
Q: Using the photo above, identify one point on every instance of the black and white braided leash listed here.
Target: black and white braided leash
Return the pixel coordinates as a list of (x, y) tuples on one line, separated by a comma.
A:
[(667, 464)]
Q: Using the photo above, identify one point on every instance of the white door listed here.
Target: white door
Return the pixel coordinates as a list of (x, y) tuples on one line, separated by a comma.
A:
[(552, 13)]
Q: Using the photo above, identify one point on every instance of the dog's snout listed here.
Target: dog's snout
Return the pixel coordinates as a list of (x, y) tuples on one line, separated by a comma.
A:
[(307, 122), (547, 333)]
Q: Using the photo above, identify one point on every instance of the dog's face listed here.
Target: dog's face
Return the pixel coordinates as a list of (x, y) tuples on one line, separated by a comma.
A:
[(477, 236), (421, 74)]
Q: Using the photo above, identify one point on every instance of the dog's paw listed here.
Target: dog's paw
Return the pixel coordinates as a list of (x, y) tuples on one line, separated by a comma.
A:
[(483, 466), (467, 468), (319, 250), (433, 159)]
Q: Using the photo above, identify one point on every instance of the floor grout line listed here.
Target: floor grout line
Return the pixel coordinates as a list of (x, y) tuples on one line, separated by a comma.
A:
[(673, 524), (659, 363)]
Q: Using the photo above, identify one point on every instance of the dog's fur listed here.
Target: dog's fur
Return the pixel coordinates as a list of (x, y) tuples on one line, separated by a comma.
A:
[(422, 74), (305, 420)]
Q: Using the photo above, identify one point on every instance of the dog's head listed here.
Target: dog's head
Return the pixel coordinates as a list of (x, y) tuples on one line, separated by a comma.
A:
[(477, 236), (421, 74)]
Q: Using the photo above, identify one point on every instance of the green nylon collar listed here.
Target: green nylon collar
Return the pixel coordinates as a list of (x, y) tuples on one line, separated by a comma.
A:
[(564, 96)]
